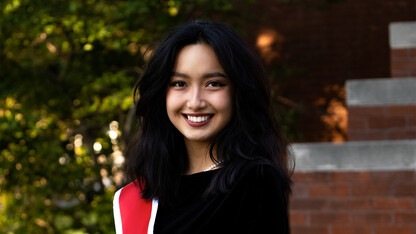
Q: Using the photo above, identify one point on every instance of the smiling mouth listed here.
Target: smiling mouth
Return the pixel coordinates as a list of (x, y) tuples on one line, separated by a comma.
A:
[(197, 118)]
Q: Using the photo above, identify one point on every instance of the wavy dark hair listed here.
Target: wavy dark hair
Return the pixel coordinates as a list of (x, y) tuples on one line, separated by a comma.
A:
[(157, 157)]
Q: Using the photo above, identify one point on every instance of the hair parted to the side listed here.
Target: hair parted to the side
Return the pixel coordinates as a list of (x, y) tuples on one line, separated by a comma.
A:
[(156, 157)]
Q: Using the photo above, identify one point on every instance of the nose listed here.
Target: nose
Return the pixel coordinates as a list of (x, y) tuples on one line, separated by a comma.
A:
[(196, 99)]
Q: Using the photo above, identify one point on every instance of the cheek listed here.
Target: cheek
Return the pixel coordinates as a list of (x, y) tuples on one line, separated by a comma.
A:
[(171, 103), (225, 104)]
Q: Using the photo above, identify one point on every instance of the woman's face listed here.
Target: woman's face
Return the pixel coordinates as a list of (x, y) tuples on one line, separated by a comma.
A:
[(199, 96)]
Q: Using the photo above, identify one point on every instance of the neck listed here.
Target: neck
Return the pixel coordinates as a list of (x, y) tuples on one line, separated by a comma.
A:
[(198, 156)]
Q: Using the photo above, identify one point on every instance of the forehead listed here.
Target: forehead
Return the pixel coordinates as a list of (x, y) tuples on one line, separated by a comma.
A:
[(197, 57)]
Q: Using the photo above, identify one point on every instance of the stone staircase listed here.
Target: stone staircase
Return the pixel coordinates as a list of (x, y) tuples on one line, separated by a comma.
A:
[(366, 185)]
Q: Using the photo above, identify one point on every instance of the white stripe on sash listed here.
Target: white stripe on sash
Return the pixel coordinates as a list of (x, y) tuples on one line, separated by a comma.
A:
[(116, 210), (155, 205)]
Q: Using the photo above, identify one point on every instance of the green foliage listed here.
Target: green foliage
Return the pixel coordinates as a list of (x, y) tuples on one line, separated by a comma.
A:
[(66, 78)]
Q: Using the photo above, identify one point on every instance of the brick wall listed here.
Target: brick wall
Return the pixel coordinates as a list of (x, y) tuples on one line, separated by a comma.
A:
[(382, 122), (354, 188), (381, 109), (402, 40), (324, 44), (403, 62), (345, 202), (394, 115)]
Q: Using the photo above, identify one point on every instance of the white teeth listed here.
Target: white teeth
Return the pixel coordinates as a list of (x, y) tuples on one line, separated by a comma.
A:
[(198, 119)]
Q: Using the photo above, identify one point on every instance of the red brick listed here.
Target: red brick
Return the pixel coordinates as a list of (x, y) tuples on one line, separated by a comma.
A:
[(401, 110), (373, 189), (309, 230), (401, 134), (393, 203), (308, 204), (349, 176), (329, 218), (405, 218), (397, 59), (357, 123), (350, 230), (405, 189), (396, 73), (311, 177), (411, 121), (371, 218), (393, 176), (298, 218), (386, 122), (411, 52), (394, 230), (399, 53), (365, 136), (408, 64), (346, 204), (328, 190), (300, 190), (367, 111)]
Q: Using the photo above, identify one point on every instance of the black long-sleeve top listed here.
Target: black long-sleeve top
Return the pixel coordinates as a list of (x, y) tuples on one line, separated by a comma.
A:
[(256, 203)]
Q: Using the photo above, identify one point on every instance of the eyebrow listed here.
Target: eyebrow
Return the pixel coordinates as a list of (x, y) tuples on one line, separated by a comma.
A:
[(206, 75)]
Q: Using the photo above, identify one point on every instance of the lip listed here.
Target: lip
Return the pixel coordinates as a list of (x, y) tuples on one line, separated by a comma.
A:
[(199, 124)]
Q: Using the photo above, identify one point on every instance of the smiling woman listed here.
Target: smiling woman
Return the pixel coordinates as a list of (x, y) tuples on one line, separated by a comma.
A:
[(209, 156), (199, 101)]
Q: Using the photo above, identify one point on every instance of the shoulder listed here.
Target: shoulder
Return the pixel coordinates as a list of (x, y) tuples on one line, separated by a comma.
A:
[(131, 212), (259, 170), (129, 190), (260, 177), (131, 193), (252, 175), (258, 199)]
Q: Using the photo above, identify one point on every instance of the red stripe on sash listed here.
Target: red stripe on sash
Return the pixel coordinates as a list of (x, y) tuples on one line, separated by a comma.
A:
[(134, 211)]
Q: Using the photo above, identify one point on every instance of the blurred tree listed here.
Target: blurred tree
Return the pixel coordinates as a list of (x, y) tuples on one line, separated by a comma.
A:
[(67, 69)]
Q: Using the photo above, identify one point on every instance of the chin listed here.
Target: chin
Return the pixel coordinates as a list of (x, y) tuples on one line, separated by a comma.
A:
[(198, 138)]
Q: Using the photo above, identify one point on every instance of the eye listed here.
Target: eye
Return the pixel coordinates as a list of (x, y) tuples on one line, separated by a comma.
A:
[(178, 84), (215, 84)]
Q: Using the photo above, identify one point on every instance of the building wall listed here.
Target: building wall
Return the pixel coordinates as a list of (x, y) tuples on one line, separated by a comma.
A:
[(385, 109), (382, 122), (358, 202), (321, 45), (403, 49), (354, 188), (403, 62), (358, 186), (381, 109)]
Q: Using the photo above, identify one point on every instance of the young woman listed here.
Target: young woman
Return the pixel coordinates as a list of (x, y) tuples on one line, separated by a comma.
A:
[(209, 157)]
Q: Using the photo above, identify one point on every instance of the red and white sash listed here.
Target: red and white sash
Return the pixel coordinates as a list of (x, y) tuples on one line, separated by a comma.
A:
[(132, 214)]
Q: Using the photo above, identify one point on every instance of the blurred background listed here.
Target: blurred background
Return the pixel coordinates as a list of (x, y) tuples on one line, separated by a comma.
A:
[(67, 69)]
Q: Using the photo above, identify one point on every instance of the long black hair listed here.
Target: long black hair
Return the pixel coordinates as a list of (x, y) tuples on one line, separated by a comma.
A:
[(157, 157)]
